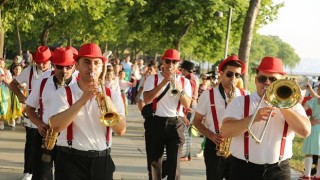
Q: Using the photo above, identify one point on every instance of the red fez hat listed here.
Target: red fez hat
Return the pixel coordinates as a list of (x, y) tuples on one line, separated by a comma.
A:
[(63, 57), (171, 54), (90, 50), (42, 54), (232, 58), (271, 65)]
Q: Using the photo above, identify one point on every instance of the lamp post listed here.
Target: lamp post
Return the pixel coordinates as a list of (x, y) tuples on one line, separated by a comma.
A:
[(219, 14), (228, 33)]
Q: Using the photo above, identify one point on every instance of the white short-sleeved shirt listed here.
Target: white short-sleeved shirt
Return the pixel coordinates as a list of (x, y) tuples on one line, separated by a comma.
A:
[(204, 106), (167, 106), (47, 96), (268, 150), (23, 77), (88, 132)]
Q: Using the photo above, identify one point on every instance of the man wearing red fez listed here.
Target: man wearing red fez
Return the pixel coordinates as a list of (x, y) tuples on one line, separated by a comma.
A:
[(29, 76), (209, 114), (85, 140), (263, 157), (41, 97), (166, 94)]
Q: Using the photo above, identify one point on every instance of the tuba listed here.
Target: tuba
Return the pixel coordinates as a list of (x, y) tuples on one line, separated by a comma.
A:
[(223, 149), (50, 139), (108, 116), (283, 93)]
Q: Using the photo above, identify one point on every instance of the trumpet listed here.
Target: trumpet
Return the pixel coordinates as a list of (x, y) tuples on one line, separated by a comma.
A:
[(174, 92), (108, 116), (283, 93)]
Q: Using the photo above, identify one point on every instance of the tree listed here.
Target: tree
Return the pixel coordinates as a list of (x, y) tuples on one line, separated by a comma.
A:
[(248, 32)]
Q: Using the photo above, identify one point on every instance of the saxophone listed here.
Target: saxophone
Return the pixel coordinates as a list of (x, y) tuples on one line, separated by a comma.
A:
[(51, 136), (223, 149)]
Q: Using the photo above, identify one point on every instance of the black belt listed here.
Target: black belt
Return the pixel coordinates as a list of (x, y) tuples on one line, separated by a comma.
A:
[(243, 162), (89, 154)]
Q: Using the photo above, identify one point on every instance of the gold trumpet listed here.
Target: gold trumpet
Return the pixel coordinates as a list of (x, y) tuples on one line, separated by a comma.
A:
[(108, 116), (283, 93)]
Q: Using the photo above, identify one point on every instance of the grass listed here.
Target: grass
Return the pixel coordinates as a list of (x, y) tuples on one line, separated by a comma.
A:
[(297, 160)]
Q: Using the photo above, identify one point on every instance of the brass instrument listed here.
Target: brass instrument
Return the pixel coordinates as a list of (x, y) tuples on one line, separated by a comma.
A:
[(283, 93), (50, 139), (174, 92), (223, 149), (108, 115), (51, 136)]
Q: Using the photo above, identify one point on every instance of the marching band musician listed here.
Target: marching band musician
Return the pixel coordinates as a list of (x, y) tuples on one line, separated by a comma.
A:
[(30, 76), (41, 96), (269, 159), (83, 145), (166, 126), (209, 113)]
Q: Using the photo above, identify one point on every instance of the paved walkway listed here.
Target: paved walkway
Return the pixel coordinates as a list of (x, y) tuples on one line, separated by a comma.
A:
[(128, 152)]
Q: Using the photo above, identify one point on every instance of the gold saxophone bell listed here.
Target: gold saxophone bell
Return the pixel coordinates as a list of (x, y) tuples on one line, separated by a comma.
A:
[(283, 93), (50, 139)]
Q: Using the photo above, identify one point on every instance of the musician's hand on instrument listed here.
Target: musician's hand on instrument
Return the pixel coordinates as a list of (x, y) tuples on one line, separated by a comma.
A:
[(43, 129), (264, 113), (216, 138)]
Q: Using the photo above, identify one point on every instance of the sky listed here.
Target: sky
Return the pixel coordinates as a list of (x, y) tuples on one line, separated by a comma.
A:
[(298, 24)]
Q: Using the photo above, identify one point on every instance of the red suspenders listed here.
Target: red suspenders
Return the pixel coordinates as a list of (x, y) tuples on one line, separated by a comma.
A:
[(43, 83), (246, 134), (70, 129)]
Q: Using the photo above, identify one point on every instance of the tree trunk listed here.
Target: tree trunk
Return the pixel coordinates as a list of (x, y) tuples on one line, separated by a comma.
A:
[(247, 34), (183, 32), (18, 39), (45, 33)]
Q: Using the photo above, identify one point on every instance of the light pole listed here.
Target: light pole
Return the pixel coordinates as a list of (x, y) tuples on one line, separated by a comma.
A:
[(219, 14), (228, 33)]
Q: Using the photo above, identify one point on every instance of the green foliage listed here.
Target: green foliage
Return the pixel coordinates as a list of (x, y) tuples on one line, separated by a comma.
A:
[(272, 46), (138, 26)]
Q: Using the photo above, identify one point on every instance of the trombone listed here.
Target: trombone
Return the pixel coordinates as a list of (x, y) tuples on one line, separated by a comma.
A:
[(283, 93)]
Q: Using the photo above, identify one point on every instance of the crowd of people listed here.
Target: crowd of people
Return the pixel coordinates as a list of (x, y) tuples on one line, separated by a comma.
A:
[(173, 100)]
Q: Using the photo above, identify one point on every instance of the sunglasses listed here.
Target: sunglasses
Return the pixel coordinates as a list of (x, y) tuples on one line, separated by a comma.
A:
[(231, 74), (203, 79), (262, 79), (61, 67), (168, 61)]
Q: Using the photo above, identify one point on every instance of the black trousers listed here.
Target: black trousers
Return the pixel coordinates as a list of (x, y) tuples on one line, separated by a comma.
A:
[(32, 150), (241, 169), (164, 132), (76, 165), (217, 167), (45, 169), (37, 168)]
